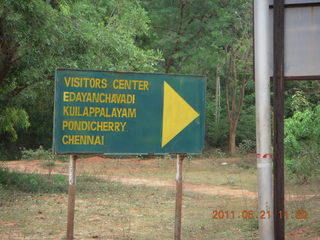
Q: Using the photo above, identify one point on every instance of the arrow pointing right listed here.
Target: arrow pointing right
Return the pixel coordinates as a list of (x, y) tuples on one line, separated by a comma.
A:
[(177, 114)]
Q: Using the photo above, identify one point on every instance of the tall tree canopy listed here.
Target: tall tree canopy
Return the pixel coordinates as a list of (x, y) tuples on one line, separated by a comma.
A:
[(37, 36), (213, 38)]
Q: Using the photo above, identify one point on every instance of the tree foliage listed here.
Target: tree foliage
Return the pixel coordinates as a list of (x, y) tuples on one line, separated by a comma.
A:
[(302, 137), (37, 36), (212, 38)]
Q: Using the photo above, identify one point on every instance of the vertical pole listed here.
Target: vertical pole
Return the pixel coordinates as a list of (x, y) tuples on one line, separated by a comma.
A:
[(263, 116), (177, 228), (278, 149), (71, 196)]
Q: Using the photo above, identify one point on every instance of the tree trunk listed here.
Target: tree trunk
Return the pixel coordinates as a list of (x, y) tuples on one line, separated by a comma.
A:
[(234, 97), (218, 96), (232, 139)]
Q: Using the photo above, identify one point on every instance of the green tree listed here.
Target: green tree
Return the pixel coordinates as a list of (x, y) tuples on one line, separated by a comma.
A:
[(302, 137), (212, 38), (37, 36), (239, 72)]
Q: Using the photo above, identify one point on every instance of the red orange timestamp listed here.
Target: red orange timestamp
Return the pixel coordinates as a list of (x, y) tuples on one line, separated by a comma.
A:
[(249, 214)]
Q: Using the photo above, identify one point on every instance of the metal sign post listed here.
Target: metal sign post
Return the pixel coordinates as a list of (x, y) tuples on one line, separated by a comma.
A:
[(294, 44), (263, 116), (278, 83), (178, 215), (71, 196)]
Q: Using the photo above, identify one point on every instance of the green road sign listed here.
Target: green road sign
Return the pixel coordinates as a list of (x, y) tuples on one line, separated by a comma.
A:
[(133, 113)]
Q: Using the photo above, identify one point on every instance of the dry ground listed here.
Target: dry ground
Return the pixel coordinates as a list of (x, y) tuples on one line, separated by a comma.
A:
[(134, 199)]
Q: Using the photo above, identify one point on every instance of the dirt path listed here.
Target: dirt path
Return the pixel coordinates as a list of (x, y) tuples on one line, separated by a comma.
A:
[(35, 167), (187, 187), (212, 190)]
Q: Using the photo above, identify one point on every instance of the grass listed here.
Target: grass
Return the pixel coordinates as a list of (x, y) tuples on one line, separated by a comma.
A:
[(109, 210), (32, 183), (116, 211), (48, 164), (196, 171)]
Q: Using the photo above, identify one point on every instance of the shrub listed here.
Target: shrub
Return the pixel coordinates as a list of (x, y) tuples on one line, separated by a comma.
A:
[(302, 136), (306, 165), (247, 146), (27, 182), (40, 153)]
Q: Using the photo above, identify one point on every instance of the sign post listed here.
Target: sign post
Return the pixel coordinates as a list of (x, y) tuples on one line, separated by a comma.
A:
[(178, 215), (71, 196), (278, 150), (294, 46), (127, 113), (263, 117)]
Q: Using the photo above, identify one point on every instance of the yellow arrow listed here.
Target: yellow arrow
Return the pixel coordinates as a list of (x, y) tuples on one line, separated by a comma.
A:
[(177, 114)]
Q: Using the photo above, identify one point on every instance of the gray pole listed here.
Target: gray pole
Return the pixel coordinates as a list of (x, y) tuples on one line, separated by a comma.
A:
[(263, 118), (178, 216), (71, 196)]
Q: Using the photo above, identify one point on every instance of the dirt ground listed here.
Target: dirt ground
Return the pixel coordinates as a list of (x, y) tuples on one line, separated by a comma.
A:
[(90, 165), (157, 174)]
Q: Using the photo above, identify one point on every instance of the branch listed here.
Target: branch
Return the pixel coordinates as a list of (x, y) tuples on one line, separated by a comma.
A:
[(235, 81), (224, 3), (227, 95), (241, 99), (18, 90), (54, 4)]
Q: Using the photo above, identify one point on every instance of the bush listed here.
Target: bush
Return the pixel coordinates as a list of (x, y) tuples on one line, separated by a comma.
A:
[(40, 154), (213, 153), (302, 138), (27, 182), (216, 132), (247, 146), (306, 165)]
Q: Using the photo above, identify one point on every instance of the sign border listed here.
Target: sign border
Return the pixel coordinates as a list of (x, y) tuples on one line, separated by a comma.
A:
[(118, 153)]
